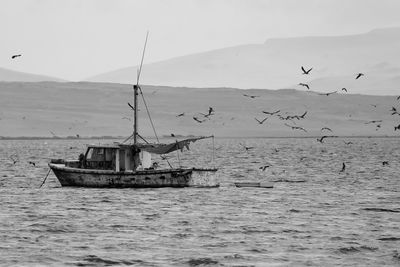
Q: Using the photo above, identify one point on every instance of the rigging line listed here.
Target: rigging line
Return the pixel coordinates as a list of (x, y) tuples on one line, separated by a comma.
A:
[(142, 138), (128, 138), (141, 62), (148, 114)]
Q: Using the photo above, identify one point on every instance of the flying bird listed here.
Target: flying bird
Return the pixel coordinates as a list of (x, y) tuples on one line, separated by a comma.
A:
[(343, 167), (210, 111), (251, 96), (271, 113), (359, 75), (305, 85), (260, 122), (172, 135), (374, 121), (199, 121), (32, 163), (326, 128), (301, 116), (15, 56), (327, 94), (180, 115), (305, 71), (296, 127), (348, 143), (385, 163), (374, 105), (321, 140), (344, 89), (394, 111), (397, 127)]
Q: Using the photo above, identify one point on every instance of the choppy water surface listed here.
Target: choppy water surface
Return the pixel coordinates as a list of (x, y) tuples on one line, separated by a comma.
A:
[(331, 218)]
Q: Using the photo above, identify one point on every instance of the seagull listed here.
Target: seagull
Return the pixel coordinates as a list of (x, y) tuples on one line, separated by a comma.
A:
[(246, 147), (394, 111), (359, 75), (263, 168), (397, 127), (327, 94), (385, 163), (321, 140), (32, 163), (374, 105), (343, 167), (305, 85), (15, 56), (199, 121), (78, 136), (14, 158), (348, 143), (326, 128), (305, 71), (296, 127), (271, 113), (344, 89), (374, 121), (261, 122), (172, 135), (180, 115), (210, 111), (251, 96), (302, 116)]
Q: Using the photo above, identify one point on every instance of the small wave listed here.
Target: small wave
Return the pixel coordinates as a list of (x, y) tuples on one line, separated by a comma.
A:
[(294, 210), (381, 210), (234, 256), (389, 238), (202, 261), (348, 250), (95, 260)]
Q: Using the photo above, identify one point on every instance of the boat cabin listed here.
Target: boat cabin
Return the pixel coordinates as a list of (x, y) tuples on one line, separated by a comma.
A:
[(115, 157)]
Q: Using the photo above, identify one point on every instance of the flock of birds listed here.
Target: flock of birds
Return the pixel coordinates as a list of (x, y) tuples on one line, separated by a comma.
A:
[(291, 119)]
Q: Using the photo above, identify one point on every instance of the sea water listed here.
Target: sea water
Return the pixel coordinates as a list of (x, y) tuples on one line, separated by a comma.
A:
[(316, 214)]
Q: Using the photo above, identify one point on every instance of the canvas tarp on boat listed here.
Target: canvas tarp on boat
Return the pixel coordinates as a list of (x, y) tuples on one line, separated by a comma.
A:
[(168, 148)]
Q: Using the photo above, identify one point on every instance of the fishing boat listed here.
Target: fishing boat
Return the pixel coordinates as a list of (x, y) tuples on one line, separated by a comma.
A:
[(128, 164)]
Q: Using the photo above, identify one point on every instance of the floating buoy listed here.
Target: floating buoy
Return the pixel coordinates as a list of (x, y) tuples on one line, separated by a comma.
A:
[(251, 184)]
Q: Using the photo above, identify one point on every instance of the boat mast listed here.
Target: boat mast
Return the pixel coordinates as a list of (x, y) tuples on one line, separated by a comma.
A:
[(135, 95), (135, 113)]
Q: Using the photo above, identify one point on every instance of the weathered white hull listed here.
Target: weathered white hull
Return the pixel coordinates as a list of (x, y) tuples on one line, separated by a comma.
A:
[(68, 176)]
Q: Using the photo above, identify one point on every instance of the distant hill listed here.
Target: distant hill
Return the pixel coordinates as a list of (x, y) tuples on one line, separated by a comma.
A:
[(99, 109), (7, 75), (276, 64)]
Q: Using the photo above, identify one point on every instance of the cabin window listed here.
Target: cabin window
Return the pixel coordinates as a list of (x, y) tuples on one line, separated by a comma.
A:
[(95, 154), (101, 158)]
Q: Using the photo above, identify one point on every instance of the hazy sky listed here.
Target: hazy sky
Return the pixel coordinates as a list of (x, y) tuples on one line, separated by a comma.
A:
[(75, 39)]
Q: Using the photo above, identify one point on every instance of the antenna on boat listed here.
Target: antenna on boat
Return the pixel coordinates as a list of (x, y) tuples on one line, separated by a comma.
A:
[(135, 94)]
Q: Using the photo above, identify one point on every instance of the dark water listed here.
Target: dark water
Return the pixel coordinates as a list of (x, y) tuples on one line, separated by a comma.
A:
[(327, 218)]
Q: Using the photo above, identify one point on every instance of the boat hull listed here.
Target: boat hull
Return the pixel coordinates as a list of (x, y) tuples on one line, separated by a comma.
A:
[(68, 176)]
